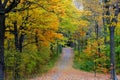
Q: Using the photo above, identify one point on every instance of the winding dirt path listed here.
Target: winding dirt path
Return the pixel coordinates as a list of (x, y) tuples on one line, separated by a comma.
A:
[(64, 71)]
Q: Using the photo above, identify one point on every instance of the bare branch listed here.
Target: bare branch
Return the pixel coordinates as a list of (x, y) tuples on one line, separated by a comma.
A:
[(23, 9)]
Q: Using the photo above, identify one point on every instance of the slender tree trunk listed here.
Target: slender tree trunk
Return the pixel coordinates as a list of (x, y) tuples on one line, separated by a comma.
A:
[(16, 35), (96, 32), (16, 69), (2, 33), (82, 45), (75, 45), (21, 42), (97, 38), (57, 48), (79, 46), (112, 53), (16, 73), (105, 30), (36, 40)]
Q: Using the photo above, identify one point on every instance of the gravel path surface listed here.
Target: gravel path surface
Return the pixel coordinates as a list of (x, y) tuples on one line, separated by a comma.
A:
[(64, 71)]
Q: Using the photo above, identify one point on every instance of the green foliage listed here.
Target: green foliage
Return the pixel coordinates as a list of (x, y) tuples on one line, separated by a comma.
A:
[(117, 53), (28, 62), (68, 26), (83, 62)]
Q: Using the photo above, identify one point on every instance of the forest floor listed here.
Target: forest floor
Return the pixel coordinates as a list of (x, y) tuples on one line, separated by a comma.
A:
[(63, 70)]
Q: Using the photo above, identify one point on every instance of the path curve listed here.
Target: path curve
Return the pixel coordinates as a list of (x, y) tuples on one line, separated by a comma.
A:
[(64, 71)]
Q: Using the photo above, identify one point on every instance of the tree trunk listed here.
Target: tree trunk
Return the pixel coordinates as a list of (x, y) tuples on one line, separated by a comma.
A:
[(105, 30), (16, 35), (57, 48), (79, 46), (36, 40), (112, 53), (2, 33), (97, 38), (21, 42)]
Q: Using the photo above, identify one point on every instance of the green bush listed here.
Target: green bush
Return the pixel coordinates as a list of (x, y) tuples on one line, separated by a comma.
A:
[(82, 62), (27, 63)]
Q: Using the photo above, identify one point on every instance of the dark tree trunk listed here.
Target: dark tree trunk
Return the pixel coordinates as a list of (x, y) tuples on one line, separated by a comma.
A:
[(112, 30), (3, 11), (2, 33), (17, 63), (105, 30), (21, 42), (82, 44), (112, 53), (36, 40), (51, 47), (78, 46), (97, 38), (16, 35), (96, 30), (16, 74), (57, 48)]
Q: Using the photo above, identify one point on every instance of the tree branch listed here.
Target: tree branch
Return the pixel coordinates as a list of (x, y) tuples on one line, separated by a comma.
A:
[(11, 31), (30, 43), (40, 6), (22, 9), (12, 5), (5, 3), (25, 7)]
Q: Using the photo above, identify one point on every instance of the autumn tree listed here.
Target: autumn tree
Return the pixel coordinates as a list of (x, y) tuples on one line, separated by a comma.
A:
[(32, 24), (111, 21), (5, 7)]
